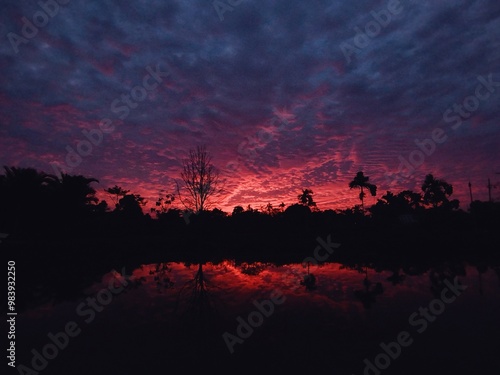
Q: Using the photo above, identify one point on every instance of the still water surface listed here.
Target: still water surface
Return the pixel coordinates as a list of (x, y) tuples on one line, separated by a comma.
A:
[(177, 317)]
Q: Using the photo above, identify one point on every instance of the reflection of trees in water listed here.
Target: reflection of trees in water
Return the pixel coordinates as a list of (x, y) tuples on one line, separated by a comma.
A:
[(161, 276), (309, 280), (73, 288), (481, 268), (253, 269), (396, 278), (368, 294), (415, 269), (497, 271), (356, 267), (198, 325), (195, 302), (446, 271), (294, 279)]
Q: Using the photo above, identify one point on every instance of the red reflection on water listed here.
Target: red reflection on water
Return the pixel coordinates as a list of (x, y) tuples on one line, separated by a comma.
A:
[(236, 286)]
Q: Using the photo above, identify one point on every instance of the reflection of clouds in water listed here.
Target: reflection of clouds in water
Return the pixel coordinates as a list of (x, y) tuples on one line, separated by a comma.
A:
[(236, 284), (253, 269)]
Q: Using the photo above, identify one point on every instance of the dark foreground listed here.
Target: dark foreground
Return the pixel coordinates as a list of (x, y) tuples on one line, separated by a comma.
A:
[(89, 309)]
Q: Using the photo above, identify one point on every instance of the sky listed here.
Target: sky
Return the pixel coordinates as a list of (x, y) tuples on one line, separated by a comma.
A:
[(285, 94)]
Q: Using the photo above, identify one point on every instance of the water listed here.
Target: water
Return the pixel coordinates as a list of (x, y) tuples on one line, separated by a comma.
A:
[(333, 318)]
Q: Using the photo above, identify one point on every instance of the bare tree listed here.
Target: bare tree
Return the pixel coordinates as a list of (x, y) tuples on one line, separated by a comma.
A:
[(201, 179)]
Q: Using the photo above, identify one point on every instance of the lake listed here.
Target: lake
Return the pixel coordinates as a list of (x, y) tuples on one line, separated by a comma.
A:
[(237, 317)]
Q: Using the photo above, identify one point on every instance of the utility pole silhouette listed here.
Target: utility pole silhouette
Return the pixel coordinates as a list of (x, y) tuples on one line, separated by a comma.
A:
[(490, 186), (489, 190), (470, 192)]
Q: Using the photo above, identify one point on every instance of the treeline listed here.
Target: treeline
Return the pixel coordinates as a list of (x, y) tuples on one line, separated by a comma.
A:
[(37, 205)]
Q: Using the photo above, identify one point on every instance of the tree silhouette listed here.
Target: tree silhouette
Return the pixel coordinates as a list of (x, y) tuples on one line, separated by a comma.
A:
[(361, 182), (34, 202), (163, 203), (201, 179), (368, 295), (23, 196), (306, 198), (412, 199), (437, 192), (309, 280), (75, 193), (116, 192), (194, 301), (268, 209), (25, 178), (238, 210), (131, 205), (282, 206), (390, 205)]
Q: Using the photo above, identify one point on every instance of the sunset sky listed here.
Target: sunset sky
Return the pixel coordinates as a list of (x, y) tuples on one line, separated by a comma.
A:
[(285, 94)]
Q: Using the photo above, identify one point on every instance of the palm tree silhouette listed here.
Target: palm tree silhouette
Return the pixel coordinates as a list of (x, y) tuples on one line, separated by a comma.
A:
[(75, 192), (26, 178), (282, 206), (396, 278), (436, 192), (361, 182), (23, 195), (309, 280), (368, 295), (306, 198)]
